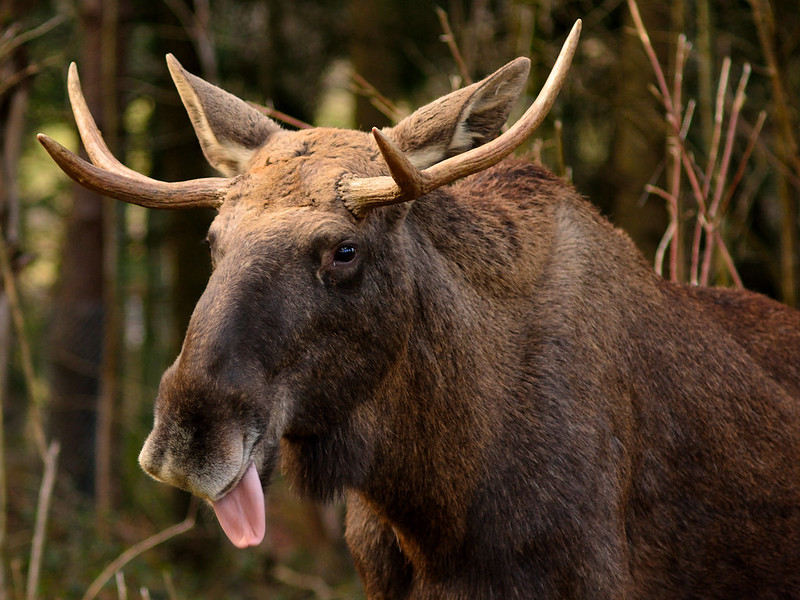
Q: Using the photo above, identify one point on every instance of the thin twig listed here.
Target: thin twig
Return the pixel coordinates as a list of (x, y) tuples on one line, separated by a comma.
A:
[(751, 144), (728, 260), (122, 590), (691, 175), (657, 191), (137, 549), (701, 273), (561, 167), (15, 79), (736, 110), (282, 117), (196, 25), (718, 119), (40, 524), (17, 40), (669, 234), (651, 54), (17, 578), (172, 594), (687, 119), (378, 100), (722, 176), (681, 53), (450, 39), (301, 581), (36, 420)]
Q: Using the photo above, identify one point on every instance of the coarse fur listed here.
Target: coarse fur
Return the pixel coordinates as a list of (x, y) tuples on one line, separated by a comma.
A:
[(512, 403)]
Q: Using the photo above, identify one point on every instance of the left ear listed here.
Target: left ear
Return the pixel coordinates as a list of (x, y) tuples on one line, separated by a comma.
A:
[(462, 119), (230, 131)]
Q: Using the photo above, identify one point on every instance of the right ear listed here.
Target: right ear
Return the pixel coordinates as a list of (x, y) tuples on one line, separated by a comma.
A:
[(461, 120), (229, 130)]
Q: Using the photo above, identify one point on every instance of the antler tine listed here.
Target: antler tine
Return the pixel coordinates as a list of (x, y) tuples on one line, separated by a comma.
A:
[(410, 180), (109, 177), (362, 194), (150, 193), (93, 140)]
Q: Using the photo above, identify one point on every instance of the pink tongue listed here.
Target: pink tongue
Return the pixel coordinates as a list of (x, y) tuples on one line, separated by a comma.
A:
[(241, 511)]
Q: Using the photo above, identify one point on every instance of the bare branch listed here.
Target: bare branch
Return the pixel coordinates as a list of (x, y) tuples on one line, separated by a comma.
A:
[(386, 107), (450, 39), (736, 110), (122, 590), (36, 418), (196, 24), (282, 117), (718, 118), (13, 41), (751, 144), (302, 581), (42, 513), (137, 549)]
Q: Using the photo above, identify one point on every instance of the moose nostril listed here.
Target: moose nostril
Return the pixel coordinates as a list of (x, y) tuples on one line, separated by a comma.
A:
[(151, 457)]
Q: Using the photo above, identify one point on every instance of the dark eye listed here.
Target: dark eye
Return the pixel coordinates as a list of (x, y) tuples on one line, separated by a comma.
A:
[(344, 254), (342, 266)]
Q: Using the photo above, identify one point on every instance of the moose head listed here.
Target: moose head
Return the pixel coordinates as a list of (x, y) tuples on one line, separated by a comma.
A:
[(314, 291)]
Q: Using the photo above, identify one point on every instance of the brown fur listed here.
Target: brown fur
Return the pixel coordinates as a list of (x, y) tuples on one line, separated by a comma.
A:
[(513, 404)]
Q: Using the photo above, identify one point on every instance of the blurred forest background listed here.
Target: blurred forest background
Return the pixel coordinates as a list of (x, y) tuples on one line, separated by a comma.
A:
[(689, 144)]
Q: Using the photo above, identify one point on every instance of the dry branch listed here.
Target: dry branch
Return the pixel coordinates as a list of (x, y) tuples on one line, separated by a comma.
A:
[(302, 581), (449, 38), (708, 209), (36, 418), (389, 109), (137, 549), (40, 525), (282, 117)]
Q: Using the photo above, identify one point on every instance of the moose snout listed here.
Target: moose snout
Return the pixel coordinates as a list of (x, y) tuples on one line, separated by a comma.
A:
[(161, 463), (153, 459), (179, 458)]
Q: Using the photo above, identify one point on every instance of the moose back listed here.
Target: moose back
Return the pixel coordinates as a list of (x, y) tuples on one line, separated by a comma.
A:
[(512, 403)]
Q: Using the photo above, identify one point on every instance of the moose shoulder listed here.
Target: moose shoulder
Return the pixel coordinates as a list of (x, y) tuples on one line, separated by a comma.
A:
[(512, 403)]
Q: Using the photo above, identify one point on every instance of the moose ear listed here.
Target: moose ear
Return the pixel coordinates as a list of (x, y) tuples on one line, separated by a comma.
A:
[(462, 119), (229, 129)]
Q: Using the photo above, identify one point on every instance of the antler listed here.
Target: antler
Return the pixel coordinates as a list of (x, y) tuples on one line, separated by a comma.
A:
[(109, 177), (409, 183)]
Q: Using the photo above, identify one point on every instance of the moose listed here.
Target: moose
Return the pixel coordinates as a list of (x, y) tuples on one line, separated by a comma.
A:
[(508, 398)]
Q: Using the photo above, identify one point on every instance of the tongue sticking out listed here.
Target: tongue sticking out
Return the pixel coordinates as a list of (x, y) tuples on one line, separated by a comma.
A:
[(241, 511)]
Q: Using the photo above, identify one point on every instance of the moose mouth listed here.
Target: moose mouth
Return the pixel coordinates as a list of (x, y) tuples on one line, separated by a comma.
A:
[(241, 511)]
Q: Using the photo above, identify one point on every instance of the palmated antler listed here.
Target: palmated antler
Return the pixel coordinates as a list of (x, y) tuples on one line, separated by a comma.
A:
[(409, 183), (109, 177)]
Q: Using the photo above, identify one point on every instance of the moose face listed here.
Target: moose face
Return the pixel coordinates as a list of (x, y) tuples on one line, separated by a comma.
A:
[(313, 292), (305, 308)]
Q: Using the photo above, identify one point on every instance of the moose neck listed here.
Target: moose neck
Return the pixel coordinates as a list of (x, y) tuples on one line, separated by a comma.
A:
[(478, 274), (427, 458)]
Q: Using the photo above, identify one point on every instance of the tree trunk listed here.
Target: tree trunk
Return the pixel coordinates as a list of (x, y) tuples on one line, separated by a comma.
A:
[(12, 120), (77, 331)]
